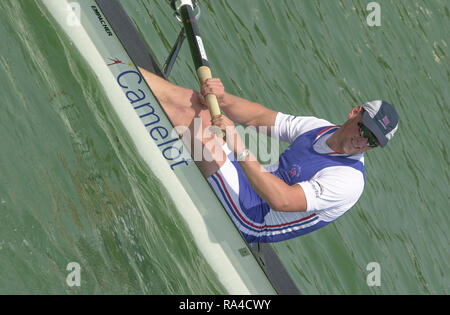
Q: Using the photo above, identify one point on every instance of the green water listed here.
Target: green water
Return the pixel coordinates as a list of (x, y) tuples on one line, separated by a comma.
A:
[(73, 189)]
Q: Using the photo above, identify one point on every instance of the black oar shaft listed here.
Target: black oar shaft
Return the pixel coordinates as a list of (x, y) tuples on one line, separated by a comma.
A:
[(192, 33), (198, 52)]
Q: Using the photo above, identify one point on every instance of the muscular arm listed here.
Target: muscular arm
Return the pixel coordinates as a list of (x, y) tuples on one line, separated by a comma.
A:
[(247, 113), (279, 195), (240, 110)]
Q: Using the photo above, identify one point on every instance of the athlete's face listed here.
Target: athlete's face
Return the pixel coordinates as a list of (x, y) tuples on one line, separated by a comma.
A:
[(353, 140)]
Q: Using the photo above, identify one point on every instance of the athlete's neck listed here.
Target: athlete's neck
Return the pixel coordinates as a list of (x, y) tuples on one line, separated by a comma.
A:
[(334, 141)]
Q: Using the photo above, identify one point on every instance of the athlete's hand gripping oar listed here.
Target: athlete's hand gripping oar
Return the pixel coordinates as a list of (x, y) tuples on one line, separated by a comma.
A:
[(198, 52)]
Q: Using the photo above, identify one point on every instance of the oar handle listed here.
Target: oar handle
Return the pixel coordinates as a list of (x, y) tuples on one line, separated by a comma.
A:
[(204, 73)]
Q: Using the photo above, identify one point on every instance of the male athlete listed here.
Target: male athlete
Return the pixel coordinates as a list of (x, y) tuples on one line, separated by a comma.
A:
[(316, 180)]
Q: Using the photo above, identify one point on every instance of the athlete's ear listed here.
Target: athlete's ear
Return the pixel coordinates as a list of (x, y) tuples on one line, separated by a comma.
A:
[(355, 111)]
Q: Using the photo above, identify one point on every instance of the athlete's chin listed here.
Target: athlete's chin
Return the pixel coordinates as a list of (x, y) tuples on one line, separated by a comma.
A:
[(351, 149)]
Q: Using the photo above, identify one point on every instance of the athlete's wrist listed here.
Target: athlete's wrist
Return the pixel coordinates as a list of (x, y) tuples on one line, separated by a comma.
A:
[(225, 100)]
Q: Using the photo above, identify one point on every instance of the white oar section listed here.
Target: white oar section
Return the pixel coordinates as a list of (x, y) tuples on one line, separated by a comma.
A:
[(187, 2), (212, 230)]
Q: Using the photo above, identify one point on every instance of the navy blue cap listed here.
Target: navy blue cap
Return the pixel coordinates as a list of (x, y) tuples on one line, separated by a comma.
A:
[(381, 119)]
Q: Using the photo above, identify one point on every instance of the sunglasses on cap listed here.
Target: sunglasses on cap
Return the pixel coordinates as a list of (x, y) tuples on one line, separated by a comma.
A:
[(366, 133)]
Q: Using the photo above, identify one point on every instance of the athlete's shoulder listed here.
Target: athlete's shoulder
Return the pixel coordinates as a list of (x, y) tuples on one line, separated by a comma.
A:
[(289, 127)]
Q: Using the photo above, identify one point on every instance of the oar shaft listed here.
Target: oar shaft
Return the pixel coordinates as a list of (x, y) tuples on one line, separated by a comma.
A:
[(198, 51)]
